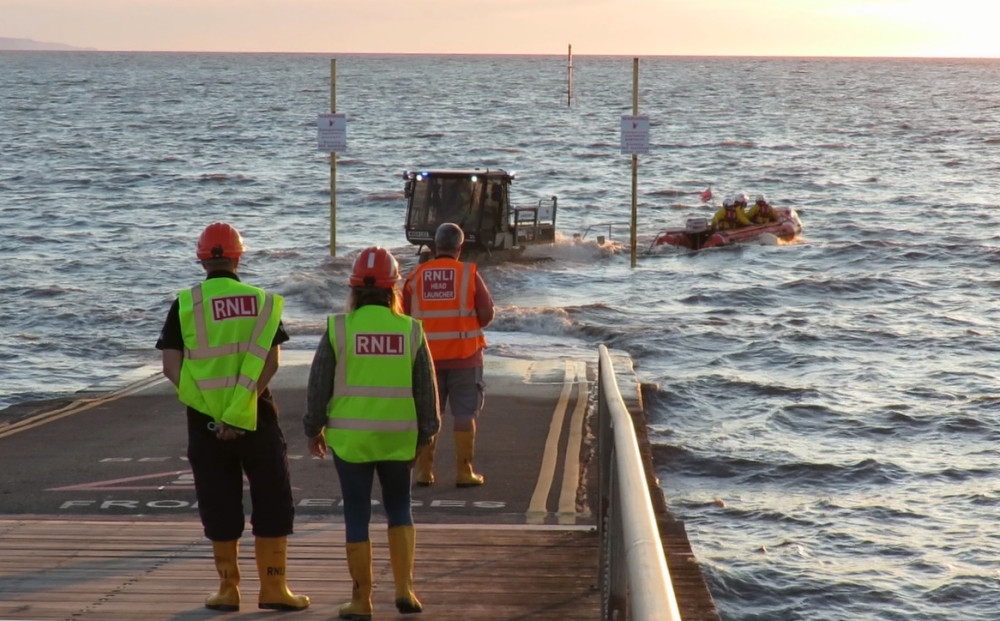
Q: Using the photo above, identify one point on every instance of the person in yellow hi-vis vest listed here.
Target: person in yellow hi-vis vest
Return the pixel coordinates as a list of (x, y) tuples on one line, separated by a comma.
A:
[(373, 400), (220, 345), (731, 216), (450, 298), (762, 212)]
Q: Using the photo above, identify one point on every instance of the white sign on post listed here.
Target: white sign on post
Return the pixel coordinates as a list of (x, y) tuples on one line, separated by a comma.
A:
[(332, 132), (635, 135)]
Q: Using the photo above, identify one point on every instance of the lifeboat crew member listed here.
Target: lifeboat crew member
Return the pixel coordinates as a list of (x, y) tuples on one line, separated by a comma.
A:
[(452, 301), (221, 343), (731, 216), (762, 212), (372, 399)]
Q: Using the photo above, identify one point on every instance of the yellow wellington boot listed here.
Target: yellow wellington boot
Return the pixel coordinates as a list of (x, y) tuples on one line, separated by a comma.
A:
[(226, 562), (359, 563), (402, 548), (465, 446), (425, 464), (272, 557)]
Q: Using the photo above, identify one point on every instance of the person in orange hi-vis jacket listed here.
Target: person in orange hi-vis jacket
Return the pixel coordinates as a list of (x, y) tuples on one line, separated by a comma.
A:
[(454, 304)]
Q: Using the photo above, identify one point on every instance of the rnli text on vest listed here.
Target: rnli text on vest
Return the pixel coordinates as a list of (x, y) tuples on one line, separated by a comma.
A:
[(378, 345), (234, 306), (438, 284)]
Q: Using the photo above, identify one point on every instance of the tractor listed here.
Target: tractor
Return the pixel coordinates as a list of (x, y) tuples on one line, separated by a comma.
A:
[(479, 202)]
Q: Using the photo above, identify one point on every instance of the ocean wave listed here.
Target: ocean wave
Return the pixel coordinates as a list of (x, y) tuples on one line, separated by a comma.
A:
[(306, 327), (316, 292), (225, 178), (50, 291), (496, 150), (533, 320), (674, 192), (278, 254)]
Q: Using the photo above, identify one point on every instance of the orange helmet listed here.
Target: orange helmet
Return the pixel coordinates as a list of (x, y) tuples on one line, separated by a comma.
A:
[(219, 240), (375, 267)]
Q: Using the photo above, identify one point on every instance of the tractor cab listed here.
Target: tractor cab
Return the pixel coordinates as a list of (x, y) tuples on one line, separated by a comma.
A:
[(479, 202)]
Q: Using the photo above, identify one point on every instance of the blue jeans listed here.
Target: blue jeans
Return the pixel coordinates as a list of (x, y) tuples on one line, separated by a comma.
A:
[(356, 486)]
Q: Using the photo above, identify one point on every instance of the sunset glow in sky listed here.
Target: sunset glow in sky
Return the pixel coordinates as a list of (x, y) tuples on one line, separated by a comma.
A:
[(956, 28)]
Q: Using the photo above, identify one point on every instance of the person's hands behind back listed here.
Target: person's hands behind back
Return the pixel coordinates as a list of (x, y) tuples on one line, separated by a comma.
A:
[(226, 433)]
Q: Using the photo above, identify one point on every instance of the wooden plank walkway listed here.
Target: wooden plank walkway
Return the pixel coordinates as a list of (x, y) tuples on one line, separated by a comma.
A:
[(153, 570)]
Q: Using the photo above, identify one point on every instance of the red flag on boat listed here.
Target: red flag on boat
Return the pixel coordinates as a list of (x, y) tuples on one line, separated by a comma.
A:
[(706, 195)]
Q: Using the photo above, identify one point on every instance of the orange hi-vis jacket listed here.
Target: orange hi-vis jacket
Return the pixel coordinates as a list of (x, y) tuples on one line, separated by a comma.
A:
[(443, 298)]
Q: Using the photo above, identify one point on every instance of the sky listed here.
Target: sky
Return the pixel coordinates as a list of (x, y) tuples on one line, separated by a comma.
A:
[(922, 28)]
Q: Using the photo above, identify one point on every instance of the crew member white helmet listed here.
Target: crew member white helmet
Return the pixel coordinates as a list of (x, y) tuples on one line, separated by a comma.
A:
[(741, 197), (727, 203), (760, 199)]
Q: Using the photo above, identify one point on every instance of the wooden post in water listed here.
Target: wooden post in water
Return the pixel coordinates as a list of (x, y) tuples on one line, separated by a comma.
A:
[(635, 158), (333, 163), (569, 77)]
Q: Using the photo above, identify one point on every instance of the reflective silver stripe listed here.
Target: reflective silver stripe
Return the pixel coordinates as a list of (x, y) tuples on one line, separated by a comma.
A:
[(444, 336), (200, 331), (340, 386), (227, 382), (364, 424), (464, 289), (340, 374), (441, 314), (380, 392), (262, 318), (415, 298), (414, 340), (224, 350)]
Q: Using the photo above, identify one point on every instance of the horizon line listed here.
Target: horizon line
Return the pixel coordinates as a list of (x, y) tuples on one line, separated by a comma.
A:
[(518, 54)]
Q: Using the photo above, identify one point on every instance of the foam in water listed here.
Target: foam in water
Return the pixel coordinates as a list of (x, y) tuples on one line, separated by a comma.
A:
[(547, 321), (574, 250)]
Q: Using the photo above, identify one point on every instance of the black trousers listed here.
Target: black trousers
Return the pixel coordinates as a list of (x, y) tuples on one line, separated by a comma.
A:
[(219, 466)]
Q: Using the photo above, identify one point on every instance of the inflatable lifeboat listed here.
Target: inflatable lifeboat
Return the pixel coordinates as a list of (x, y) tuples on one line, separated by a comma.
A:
[(697, 234)]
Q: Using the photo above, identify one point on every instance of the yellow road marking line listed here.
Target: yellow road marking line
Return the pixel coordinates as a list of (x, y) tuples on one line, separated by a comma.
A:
[(571, 471), (536, 508), (80, 405)]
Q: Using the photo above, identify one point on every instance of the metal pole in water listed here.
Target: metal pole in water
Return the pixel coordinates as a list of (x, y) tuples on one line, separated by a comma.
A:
[(635, 158), (333, 163), (569, 77)]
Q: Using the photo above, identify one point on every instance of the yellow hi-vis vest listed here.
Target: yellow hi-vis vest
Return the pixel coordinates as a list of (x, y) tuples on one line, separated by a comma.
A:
[(372, 415), (228, 328), (443, 298)]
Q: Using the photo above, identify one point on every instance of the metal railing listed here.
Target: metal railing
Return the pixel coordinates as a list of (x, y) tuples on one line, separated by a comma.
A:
[(634, 580), (531, 223), (601, 226)]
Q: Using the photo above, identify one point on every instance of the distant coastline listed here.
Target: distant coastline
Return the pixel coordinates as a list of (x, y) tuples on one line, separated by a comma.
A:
[(9, 44)]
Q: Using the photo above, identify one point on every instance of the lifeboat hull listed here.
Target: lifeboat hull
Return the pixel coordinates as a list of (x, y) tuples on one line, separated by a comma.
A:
[(786, 227)]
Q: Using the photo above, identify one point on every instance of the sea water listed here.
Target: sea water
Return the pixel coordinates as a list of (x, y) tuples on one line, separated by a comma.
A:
[(825, 413)]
